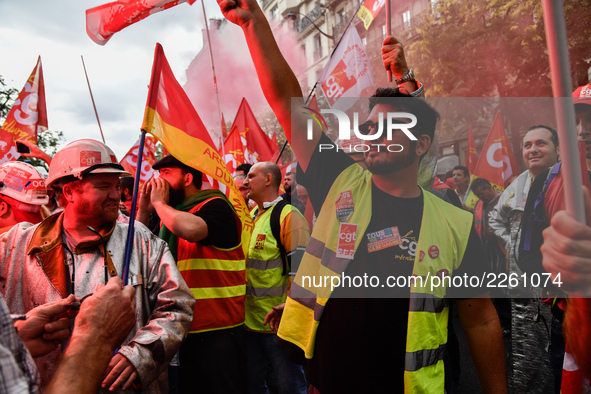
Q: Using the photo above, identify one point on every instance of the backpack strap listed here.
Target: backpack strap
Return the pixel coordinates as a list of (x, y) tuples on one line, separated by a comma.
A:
[(276, 230)]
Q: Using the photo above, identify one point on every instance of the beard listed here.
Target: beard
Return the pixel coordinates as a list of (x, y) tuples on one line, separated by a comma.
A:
[(175, 197), (388, 162)]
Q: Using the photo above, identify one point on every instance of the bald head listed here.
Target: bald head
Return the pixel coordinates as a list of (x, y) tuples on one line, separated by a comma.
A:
[(270, 168), (262, 182)]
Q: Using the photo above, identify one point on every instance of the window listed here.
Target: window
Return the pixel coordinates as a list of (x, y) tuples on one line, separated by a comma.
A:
[(406, 18), (275, 12), (317, 47)]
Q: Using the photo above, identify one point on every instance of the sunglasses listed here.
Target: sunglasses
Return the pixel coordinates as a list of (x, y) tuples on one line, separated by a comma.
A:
[(368, 127)]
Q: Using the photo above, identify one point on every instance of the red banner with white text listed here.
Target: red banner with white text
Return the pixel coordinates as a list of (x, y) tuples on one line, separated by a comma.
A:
[(107, 19), (26, 118)]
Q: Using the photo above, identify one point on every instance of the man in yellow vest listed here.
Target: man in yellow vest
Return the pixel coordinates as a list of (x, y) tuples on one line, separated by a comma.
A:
[(203, 233), (267, 278), (369, 335)]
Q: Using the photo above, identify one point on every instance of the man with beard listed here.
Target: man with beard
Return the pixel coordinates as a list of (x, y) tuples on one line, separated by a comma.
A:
[(203, 232), (76, 251), (374, 339), (290, 185)]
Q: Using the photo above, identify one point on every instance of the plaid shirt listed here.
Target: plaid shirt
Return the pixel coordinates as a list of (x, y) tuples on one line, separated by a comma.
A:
[(18, 372)]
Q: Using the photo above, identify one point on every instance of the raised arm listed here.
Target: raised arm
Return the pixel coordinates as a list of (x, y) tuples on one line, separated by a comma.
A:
[(277, 80)]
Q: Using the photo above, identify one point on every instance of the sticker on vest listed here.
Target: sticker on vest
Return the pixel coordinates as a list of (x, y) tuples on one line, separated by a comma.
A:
[(347, 238), (260, 241), (344, 206), (433, 251), (421, 255), (383, 239)]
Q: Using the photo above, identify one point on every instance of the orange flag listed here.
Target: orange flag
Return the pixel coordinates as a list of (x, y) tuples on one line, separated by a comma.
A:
[(129, 161), (26, 118), (172, 119), (247, 142), (497, 163), (472, 157)]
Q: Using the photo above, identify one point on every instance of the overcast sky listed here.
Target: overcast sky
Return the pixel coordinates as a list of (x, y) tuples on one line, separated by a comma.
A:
[(119, 72)]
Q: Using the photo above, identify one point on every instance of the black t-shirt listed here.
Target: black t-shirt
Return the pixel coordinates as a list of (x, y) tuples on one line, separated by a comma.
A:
[(221, 224), (360, 343)]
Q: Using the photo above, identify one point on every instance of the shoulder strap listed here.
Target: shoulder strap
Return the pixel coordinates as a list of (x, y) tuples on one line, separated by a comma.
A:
[(276, 230)]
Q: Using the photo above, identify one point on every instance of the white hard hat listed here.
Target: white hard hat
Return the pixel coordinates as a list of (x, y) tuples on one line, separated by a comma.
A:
[(80, 158), (22, 182)]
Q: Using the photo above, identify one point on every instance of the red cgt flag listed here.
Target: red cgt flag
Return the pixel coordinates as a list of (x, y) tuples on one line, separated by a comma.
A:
[(247, 142), (172, 119), (129, 161), (27, 117), (497, 163), (472, 158), (107, 19)]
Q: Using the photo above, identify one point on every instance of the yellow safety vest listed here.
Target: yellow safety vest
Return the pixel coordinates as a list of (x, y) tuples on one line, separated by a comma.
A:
[(266, 286), (443, 225)]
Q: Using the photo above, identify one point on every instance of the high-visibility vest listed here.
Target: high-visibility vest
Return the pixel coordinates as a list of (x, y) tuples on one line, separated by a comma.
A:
[(266, 286), (443, 238), (217, 278)]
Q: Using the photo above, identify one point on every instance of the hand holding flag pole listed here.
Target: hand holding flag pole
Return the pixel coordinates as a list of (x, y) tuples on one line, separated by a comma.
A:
[(389, 30), (565, 114)]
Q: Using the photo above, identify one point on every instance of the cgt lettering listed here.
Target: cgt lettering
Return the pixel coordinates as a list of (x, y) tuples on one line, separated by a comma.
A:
[(348, 237)]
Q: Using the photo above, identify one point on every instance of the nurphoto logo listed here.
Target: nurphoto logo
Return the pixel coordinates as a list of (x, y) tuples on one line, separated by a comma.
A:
[(367, 131)]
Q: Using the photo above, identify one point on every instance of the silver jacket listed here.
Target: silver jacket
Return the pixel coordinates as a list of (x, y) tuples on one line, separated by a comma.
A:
[(164, 302), (505, 218)]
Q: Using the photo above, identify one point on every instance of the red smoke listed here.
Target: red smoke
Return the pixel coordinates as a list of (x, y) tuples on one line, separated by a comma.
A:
[(236, 76)]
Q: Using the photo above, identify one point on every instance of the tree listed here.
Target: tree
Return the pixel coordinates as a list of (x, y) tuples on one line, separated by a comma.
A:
[(486, 48), (6, 98)]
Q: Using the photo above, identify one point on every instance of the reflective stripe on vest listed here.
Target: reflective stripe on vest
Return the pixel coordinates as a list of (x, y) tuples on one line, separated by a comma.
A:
[(217, 279), (266, 286), (443, 225)]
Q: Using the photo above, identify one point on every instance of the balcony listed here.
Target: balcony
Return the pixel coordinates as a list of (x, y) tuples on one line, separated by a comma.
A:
[(303, 23)]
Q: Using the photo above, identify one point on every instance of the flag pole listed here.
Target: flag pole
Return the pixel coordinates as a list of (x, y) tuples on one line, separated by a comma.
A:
[(335, 48), (389, 30), (281, 151), (92, 99), (215, 83), (563, 106), (130, 230)]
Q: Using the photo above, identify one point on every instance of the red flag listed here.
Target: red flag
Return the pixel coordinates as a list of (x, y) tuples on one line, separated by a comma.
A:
[(224, 128), (347, 72), (129, 161), (289, 167), (249, 144), (369, 10), (497, 162), (107, 19), (234, 149), (27, 117), (472, 157), (171, 118)]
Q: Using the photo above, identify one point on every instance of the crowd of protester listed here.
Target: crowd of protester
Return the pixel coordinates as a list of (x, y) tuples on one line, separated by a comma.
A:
[(203, 313)]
